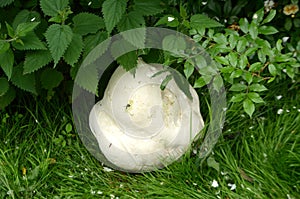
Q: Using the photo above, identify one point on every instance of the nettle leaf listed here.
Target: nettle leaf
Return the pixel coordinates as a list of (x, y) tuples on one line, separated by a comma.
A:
[(200, 21), (25, 82), (74, 50), (23, 28), (51, 78), (7, 98), (248, 106), (113, 11), (87, 78), (128, 61), (4, 86), (36, 60), (147, 8), (85, 23), (26, 16), (137, 37), (30, 42), (58, 38), (4, 3), (130, 21), (4, 46), (52, 7), (7, 62), (91, 41)]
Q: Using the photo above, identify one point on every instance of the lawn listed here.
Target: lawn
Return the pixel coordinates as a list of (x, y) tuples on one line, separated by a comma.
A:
[(41, 156)]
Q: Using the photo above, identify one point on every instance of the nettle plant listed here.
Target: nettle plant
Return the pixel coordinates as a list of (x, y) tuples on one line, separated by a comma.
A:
[(45, 42), (246, 60)]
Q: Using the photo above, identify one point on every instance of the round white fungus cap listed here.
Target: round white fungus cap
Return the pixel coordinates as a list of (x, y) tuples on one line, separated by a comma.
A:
[(140, 127)]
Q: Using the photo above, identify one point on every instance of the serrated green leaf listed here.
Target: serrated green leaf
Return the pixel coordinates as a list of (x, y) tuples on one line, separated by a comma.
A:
[(36, 60), (58, 38), (4, 3), (10, 30), (220, 38), (4, 46), (130, 21), (52, 7), (51, 78), (270, 16), (257, 88), (238, 97), (23, 28), (26, 16), (137, 37), (91, 41), (267, 30), (248, 106), (30, 42), (261, 56), (254, 97), (238, 87), (85, 23), (200, 20), (4, 86), (236, 74), (174, 44), (74, 50), (25, 82), (188, 69), (7, 98), (113, 11), (181, 82), (128, 61), (148, 8), (7, 62), (87, 78)]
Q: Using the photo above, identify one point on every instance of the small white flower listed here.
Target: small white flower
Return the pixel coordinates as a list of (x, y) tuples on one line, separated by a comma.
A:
[(106, 169), (32, 19), (294, 107), (99, 192), (287, 110), (121, 186), (278, 97), (232, 186), (223, 173), (71, 176), (280, 111), (93, 192), (225, 109), (284, 70), (255, 16), (195, 151), (251, 127), (284, 39), (89, 3), (298, 110), (170, 19), (195, 184), (204, 3), (161, 183), (112, 196), (215, 184)]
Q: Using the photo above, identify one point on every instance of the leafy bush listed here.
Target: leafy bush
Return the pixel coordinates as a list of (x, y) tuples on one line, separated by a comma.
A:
[(43, 43)]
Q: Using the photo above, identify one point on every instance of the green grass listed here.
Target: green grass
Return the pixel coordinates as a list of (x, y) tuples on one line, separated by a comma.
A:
[(41, 157)]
